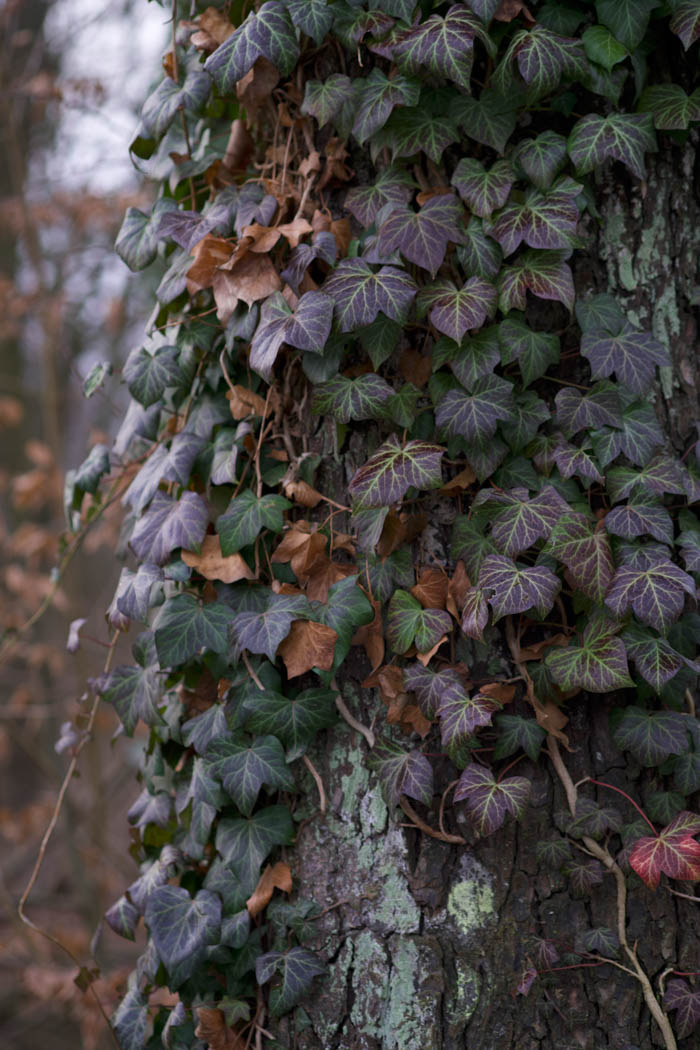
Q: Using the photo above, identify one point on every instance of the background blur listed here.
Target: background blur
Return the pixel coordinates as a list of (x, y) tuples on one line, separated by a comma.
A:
[(73, 74)]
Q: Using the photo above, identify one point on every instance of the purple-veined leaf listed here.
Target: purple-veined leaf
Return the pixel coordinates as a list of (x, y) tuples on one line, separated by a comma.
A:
[(187, 227), (546, 954), (132, 596), (198, 732), (541, 220), (655, 594), (600, 312), (685, 22), (351, 25), (262, 631), (542, 58), (359, 293), (472, 358), (656, 661), (529, 412), (599, 665), (148, 374), (377, 96), (164, 464), (168, 524), (553, 852), (544, 273), (527, 979), (490, 120), (433, 687), (479, 255), (516, 733), (599, 407), (313, 17), (324, 98), (689, 543), (401, 9), (254, 205), (583, 875), (476, 415), (475, 613), (585, 551), (345, 399), (671, 108), (246, 516), (641, 556), (660, 475), (324, 247), (642, 515), (627, 20), (534, 351), (593, 819), (182, 928), (572, 460), (135, 692), (123, 917), (162, 105), (150, 809), (513, 590), (296, 967), (443, 46), (243, 766), (621, 136), (541, 158), (307, 328), (268, 32), (524, 520), (460, 716), (393, 469), (454, 311), (184, 627), (489, 802), (416, 130), (602, 941), (679, 996), (422, 237), (394, 186), (673, 852), (632, 355), (402, 772), (483, 190), (639, 436), (408, 623)]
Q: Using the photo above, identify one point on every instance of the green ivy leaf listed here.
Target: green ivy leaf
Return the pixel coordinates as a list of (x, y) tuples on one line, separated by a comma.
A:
[(544, 273), (344, 399), (182, 928), (136, 693), (602, 47), (244, 766), (534, 351), (671, 108), (295, 721), (244, 843), (313, 17), (408, 623), (490, 120), (627, 20), (377, 97), (541, 158), (148, 375), (246, 517), (516, 733), (417, 130), (685, 22), (599, 665), (296, 969), (621, 136), (184, 627)]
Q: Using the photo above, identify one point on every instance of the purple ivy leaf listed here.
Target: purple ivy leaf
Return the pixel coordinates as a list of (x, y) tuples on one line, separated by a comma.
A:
[(621, 136), (662, 474), (268, 32), (422, 236), (678, 995), (534, 351), (393, 469), (307, 328), (542, 58), (474, 357), (402, 772), (529, 412), (524, 520), (671, 108), (540, 220), (352, 26), (475, 613), (489, 802), (479, 255), (377, 96), (544, 273), (656, 661), (476, 415), (394, 186), (514, 590), (169, 524), (571, 461), (585, 551), (443, 46), (644, 515), (409, 623), (526, 982), (162, 105), (583, 875), (324, 247), (546, 953), (598, 666), (411, 131), (345, 399), (433, 687), (541, 158), (262, 631), (483, 191), (599, 407), (454, 311), (685, 22), (136, 693), (655, 594), (324, 98), (689, 542), (460, 716), (359, 293), (632, 355), (652, 736), (132, 597), (639, 436)]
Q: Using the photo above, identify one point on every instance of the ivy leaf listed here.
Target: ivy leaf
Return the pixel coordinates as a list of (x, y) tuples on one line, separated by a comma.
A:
[(394, 186), (162, 105), (246, 517), (422, 236), (523, 521), (313, 17), (168, 524), (198, 732), (182, 928), (295, 721), (402, 772), (137, 240), (585, 551), (602, 47), (454, 311), (630, 354), (323, 99), (516, 733), (148, 375), (553, 852), (534, 351), (685, 22), (541, 158), (409, 622), (572, 460), (602, 941), (651, 736), (245, 843), (583, 875), (598, 666), (475, 613), (297, 969), (484, 191), (679, 997), (599, 407), (540, 220), (135, 693), (514, 590), (639, 436), (352, 26), (660, 475), (544, 273), (654, 593), (621, 136), (470, 544), (627, 20), (478, 254), (307, 328), (529, 412), (377, 96), (488, 802), (359, 294), (268, 32), (686, 772), (417, 130), (476, 415), (656, 661), (594, 820), (491, 120), (184, 627), (673, 852), (393, 469), (262, 631), (443, 46), (670, 107), (433, 687), (402, 406), (642, 515), (130, 1020), (460, 716), (542, 58), (243, 767), (345, 399), (475, 357)]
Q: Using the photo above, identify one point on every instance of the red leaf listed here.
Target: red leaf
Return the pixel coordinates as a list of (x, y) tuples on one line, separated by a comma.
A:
[(674, 851)]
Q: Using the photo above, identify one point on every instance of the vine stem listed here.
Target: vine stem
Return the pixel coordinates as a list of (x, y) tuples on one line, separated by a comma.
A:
[(87, 735), (319, 783), (443, 836), (606, 858), (601, 783)]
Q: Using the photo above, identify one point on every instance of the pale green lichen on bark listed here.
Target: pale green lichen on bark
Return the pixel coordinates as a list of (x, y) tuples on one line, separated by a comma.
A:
[(464, 995), (470, 904)]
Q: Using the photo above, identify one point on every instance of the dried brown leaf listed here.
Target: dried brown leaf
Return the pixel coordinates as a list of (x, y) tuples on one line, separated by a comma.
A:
[(416, 368), (425, 658), (277, 876), (308, 645), (510, 9), (431, 588), (252, 279), (324, 573), (457, 589), (212, 1028), (216, 24), (244, 402), (501, 691), (209, 254), (294, 231), (538, 649), (371, 637), (301, 492), (212, 564), (257, 86), (460, 481), (239, 148)]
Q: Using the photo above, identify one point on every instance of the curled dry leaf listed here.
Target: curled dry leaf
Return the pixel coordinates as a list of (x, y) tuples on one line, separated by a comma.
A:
[(341, 230), (251, 279), (457, 589), (257, 85), (294, 231), (308, 645), (538, 649), (416, 368), (217, 25), (244, 402), (277, 876), (371, 637), (310, 165), (301, 548), (501, 691), (425, 658), (301, 492), (335, 166), (209, 254), (401, 711), (212, 1028), (323, 575), (399, 529), (431, 588), (239, 148), (212, 564), (553, 719), (509, 9), (460, 481)]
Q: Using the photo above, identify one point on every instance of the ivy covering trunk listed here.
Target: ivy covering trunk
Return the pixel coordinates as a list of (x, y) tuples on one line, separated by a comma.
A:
[(411, 564)]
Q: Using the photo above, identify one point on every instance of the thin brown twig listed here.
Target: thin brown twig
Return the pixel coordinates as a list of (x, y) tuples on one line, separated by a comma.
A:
[(319, 783), (443, 836), (351, 720)]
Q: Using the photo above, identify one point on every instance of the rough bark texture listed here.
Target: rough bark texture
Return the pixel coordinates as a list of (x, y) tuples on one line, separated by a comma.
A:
[(426, 941)]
